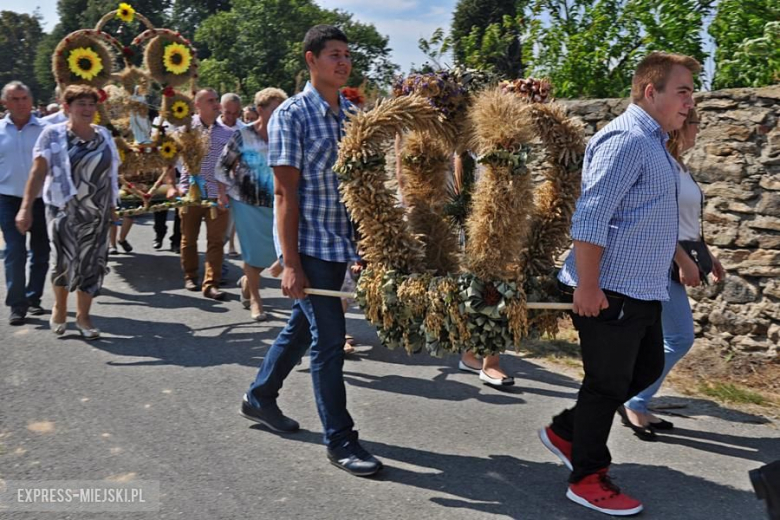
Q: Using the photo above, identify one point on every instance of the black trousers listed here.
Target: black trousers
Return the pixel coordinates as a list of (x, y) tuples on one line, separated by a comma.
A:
[(622, 354), (161, 228)]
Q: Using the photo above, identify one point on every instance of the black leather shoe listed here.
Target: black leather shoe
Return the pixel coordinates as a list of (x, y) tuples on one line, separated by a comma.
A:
[(662, 425), (157, 244), (644, 433), (35, 310), (16, 317), (271, 417), (126, 246), (352, 458)]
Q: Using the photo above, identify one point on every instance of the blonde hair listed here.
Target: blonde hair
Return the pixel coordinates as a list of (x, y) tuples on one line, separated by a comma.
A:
[(654, 70), (264, 97), (677, 137)]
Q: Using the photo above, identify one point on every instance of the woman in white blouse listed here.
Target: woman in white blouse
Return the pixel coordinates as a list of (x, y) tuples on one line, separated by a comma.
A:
[(677, 317)]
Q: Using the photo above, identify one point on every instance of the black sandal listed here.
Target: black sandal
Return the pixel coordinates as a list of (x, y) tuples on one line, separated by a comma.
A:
[(644, 433), (662, 425)]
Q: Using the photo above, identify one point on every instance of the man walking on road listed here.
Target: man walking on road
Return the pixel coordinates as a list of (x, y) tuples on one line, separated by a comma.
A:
[(625, 234), (19, 130), (316, 240)]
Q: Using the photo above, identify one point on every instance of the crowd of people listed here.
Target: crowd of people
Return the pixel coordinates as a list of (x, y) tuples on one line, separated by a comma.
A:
[(640, 211)]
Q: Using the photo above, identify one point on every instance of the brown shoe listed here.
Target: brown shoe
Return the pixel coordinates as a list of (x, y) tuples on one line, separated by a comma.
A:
[(214, 294), (190, 284)]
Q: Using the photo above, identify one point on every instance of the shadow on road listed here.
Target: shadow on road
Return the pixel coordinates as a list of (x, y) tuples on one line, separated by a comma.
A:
[(505, 485)]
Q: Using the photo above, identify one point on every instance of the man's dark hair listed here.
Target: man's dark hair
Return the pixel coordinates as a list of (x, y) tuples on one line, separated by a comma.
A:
[(317, 37)]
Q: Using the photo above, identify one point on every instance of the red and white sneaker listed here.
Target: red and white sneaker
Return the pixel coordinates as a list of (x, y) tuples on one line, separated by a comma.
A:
[(560, 447), (597, 492)]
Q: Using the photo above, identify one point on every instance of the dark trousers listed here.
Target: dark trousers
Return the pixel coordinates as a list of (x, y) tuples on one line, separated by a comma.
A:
[(23, 291), (316, 322), (622, 354), (161, 226)]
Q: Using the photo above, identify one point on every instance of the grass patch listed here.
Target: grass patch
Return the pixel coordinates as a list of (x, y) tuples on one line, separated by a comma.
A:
[(731, 393)]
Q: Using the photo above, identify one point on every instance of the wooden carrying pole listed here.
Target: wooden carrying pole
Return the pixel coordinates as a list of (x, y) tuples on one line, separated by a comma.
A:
[(529, 305)]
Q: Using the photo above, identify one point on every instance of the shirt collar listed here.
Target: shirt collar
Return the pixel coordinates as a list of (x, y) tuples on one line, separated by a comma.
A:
[(322, 106), (33, 121), (646, 121)]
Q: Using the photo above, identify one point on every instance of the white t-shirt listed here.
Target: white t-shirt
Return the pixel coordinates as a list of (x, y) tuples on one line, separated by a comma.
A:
[(689, 200)]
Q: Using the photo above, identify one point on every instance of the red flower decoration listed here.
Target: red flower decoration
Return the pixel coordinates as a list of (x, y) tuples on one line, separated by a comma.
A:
[(128, 52), (168, 92), (102, 96), (352, 94)]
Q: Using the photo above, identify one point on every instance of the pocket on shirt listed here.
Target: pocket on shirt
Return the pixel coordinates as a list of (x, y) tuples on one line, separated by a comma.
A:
[(321, 152)]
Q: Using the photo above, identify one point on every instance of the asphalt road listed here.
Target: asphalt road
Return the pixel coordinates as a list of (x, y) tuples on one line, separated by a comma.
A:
[(156, 399)]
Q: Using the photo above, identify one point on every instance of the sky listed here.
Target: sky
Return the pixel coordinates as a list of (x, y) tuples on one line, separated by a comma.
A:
[(403, 21)]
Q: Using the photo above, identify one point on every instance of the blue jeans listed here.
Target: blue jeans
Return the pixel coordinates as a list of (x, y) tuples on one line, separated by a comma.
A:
[(21, 293), (316, 322), (677, 320)]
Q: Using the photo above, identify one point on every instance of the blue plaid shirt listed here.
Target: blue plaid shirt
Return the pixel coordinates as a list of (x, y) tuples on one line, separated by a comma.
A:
[(628, 206), (304, 133)]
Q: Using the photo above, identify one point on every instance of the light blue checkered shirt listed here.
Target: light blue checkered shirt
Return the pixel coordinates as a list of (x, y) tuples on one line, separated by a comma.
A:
[(628, 206), (305, 133)]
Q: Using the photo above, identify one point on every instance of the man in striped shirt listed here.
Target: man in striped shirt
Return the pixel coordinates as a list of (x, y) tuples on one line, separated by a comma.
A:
[(625, 234), (207, 106)]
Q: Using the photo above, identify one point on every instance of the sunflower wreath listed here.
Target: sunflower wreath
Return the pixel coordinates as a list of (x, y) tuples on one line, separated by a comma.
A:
[(82, 57), (170, 58), (477, 301)]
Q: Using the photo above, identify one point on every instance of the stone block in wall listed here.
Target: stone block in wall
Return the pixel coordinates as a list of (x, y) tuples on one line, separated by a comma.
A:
[(771, 92), (725, 132), (739, 320), (755, 116), (722, 149), (771, 288), (749, 262), (716, 104), (760, 222), (723, 204), (738, 290), (747, 236), (770, 182), (769, 204), (710, 168), (728, 190), (719, 234)]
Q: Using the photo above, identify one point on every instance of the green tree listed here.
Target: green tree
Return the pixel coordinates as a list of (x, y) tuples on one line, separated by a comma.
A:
[(19, 37), (259, 44), (590, 48), (486, 34), (747, 43), (188, 15)]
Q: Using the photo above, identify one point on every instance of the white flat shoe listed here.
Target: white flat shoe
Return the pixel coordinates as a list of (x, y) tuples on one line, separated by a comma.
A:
[(57, 328), (492, 381), (88, 334), (260, 317), (463, 366)]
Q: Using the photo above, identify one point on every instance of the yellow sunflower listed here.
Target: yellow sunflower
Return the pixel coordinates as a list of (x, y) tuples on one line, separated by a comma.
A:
[(180, 110), (177, 58), (85, 63), (125, 12), (168, 149)]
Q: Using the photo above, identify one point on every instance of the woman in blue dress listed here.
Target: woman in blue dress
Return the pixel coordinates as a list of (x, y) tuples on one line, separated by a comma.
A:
[(246, 185)]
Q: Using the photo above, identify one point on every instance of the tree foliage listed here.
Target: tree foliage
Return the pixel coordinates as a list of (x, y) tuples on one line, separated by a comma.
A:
[(19, 38), (259, 44), (747, 39), (486, 34), (591, 48)]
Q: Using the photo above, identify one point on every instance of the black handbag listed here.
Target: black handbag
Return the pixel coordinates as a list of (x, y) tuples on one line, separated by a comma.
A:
[(697, 250)]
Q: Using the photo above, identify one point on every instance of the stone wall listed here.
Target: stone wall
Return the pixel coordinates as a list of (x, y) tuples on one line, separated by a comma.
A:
[(737, 163)]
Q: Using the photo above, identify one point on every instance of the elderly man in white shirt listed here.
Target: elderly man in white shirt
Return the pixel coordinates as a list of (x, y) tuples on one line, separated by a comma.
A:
[(19, 130)]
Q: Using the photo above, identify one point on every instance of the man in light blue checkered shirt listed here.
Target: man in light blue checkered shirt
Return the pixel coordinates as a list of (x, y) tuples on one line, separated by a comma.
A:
[(625, 235), (314, 237)]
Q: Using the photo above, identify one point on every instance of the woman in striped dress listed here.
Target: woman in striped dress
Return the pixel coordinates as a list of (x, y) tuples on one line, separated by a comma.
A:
[(77, 164)]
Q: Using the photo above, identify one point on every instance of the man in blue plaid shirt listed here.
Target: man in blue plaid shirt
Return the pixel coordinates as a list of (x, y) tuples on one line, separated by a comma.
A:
[(625, 235), (315, 239)]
